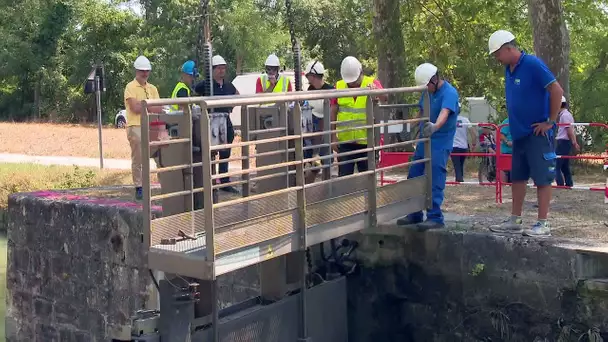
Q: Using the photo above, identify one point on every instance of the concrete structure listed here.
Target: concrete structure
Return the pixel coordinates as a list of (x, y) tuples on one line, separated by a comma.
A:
[(77, 268), (76, 272), (456, 285)]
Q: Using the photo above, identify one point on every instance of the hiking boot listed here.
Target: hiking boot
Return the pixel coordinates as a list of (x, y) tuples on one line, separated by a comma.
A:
[(139, 193), (540, 228), (430, 224), (512, 225), (407, 221)]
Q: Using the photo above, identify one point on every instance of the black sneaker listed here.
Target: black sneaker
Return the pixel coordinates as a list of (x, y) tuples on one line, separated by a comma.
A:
[(407, 221), (430, 224), (230, 189)]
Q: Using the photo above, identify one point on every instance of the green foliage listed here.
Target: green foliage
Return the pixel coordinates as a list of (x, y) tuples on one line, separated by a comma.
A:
[(77, 179), (49, 46)]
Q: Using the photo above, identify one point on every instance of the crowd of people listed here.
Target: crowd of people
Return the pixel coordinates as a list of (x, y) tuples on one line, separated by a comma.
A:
[(534, 103)]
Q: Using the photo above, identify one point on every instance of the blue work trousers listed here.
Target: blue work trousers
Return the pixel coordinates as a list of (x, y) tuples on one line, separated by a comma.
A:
[(439, 163)]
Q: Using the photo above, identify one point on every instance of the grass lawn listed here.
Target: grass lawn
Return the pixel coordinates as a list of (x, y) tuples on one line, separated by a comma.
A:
[(31, 177)]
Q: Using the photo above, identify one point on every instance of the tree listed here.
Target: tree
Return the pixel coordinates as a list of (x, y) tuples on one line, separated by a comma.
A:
[(551, 38), (390, 45)]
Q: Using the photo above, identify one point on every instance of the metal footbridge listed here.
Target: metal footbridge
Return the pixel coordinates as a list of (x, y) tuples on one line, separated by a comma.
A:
[(277, 217)]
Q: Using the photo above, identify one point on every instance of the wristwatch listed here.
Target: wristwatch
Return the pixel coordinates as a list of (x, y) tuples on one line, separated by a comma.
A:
[(551, 122)]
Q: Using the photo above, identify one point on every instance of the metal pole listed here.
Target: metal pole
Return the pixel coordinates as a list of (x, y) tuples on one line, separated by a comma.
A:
[(208, 210), (301, 223), (371, 164), (99, 121)]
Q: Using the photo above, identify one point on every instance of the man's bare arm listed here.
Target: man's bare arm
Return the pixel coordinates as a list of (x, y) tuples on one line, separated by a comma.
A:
[(443, 117), (555, 98), (136, 107)]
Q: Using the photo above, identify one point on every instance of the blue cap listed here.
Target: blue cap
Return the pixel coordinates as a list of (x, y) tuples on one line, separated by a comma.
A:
[(190, 68)]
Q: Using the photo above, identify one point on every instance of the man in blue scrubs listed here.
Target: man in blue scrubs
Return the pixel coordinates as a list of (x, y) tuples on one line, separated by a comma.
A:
[(533, 102), (441, 128)]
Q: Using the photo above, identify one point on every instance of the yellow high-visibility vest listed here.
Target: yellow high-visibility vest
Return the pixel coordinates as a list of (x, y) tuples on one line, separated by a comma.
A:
[(350, 109), (280, 87), (178, 87)]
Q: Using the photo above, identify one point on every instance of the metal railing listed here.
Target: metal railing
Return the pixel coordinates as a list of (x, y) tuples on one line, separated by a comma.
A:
[(236, 232)]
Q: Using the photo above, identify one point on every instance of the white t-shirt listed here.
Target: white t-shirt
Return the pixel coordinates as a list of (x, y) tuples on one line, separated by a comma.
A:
[(461, 138), (565, 118)]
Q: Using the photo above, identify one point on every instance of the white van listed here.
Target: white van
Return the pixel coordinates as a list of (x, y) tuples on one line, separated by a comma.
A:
[(245, 84)]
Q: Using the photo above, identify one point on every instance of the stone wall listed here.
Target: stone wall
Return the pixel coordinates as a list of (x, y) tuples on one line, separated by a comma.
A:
[(460, 286), (76, 266)]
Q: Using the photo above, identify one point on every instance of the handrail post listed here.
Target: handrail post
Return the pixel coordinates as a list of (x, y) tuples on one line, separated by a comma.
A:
[(190, 170), (147, 193), (300, 223), (208, 209), (371, 164), (145, 174), (245, 163), (428, 154), (327, 139)]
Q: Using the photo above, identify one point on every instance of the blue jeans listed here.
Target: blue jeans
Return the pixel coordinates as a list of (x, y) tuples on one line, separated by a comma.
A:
[(439, 162)]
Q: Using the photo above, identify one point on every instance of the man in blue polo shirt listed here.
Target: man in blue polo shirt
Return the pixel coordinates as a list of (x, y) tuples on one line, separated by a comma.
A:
[(441, 128), (533, 102)]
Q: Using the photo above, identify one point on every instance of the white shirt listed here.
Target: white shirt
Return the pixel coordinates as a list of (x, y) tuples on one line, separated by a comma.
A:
[(461, 138), (564, 118)]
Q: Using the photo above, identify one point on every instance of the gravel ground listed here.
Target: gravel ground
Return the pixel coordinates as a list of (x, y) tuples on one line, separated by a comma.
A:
[(573, 213)]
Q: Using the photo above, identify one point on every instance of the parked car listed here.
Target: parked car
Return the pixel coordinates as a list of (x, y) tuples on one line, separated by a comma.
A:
[(120, 120)]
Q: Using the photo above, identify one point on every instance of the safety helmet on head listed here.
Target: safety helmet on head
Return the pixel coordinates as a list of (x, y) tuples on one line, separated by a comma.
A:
[(314, 68), (190, 68), (217, 60), (350, 69), (424, 72), (564, 99), (273, 61), (498, 39), (142, 63)]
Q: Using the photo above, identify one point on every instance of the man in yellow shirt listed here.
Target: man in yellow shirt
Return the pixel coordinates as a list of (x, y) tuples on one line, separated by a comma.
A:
[(136, 91)]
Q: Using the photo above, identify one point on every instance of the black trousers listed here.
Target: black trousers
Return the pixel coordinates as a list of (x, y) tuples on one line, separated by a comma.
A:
[(458, 162), (563, 174), (349, 168)]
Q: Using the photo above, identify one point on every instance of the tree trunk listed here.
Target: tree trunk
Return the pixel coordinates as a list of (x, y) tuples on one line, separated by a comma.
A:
[(239, 63), (391, 54), (390, 44), (551, 38)]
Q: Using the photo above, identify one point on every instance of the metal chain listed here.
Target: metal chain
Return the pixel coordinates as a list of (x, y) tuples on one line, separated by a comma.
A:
[(295, 47), (201, 33)]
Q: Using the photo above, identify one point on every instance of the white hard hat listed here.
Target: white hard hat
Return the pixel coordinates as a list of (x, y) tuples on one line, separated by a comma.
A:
[(424, 72), (564, 99), (498, 39), (314, 68), (217, 60), (273, 60), (142, 63), (350, 69), (317, 107)]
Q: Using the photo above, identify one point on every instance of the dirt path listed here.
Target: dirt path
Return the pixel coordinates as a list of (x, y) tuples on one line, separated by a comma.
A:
[(61, 140), (574, 213)]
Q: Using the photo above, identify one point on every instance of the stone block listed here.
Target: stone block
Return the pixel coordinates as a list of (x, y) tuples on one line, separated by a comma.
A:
[(46, 333)]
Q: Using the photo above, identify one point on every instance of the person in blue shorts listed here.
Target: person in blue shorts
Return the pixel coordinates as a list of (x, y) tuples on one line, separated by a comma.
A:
[(533, 102), (441, 129)]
